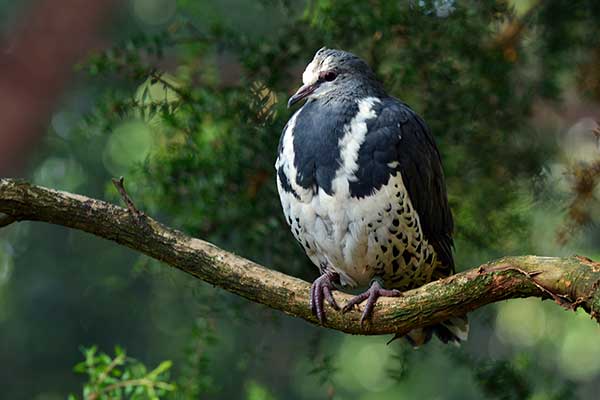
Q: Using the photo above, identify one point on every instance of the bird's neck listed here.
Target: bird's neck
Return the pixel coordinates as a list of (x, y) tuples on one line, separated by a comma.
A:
[(354, 92)]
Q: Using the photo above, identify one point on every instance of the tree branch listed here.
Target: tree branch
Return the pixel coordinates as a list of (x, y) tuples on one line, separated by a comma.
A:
[(571, 281)]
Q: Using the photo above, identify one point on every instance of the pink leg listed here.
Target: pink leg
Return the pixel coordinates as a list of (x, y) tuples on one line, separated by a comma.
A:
[(320, 291), (374, 292)]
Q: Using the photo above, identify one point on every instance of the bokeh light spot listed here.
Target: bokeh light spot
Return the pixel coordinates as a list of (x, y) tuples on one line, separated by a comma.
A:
[(60, 173), (580, 352), (368, 363), (521, 322), (129, 144)]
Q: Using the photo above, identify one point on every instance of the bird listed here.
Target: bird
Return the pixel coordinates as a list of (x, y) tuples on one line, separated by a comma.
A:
[(362, 189)]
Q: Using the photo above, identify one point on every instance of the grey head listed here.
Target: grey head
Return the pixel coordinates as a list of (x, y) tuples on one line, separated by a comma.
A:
[(337, 75)]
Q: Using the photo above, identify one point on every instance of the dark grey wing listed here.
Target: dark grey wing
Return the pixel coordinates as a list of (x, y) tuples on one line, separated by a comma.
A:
[(398, 140)]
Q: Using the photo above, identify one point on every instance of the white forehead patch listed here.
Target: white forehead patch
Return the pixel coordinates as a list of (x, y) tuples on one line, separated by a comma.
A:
[(311, 73)]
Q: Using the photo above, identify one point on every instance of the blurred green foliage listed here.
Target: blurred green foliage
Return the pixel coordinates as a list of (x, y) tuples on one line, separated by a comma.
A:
[(189, 104), (121, 377)]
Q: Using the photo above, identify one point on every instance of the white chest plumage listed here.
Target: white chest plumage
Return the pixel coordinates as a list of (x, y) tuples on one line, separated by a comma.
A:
[(358, 238)]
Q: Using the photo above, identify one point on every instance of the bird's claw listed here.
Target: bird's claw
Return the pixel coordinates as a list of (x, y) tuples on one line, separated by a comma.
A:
[(374, 292), (320, 290)]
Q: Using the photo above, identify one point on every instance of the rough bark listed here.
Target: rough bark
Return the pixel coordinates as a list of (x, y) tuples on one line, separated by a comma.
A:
[(570, 281)]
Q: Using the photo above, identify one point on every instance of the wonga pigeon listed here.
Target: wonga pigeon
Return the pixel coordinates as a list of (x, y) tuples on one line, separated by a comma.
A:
[(361, 185)]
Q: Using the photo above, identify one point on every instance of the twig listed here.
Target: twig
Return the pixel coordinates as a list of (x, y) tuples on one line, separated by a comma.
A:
[(137, 214), (114, 363), (6, 220), (132, 382), (158, 78)]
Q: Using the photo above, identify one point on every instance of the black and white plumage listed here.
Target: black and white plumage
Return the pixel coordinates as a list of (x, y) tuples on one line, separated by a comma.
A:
[(361, 185)]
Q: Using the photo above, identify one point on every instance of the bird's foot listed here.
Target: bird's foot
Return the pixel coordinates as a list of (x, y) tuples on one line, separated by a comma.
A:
[(374, 292), (320, 291)]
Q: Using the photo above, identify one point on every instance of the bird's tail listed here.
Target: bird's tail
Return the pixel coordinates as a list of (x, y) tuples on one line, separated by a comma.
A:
[(455, 330)]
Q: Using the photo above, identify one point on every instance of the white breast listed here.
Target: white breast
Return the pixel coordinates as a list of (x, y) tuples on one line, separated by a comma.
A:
[(346, 234)]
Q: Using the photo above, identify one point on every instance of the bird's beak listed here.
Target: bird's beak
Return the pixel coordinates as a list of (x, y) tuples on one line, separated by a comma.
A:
[(301, 93)]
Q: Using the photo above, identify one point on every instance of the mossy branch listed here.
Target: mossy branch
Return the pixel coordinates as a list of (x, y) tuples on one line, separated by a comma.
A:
[(571, 281)]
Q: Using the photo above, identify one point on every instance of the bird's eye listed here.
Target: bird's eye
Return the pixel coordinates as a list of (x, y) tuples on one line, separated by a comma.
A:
[(328, 76)]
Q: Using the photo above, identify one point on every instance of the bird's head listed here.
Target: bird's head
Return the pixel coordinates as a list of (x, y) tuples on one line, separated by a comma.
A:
[(334, 72)]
